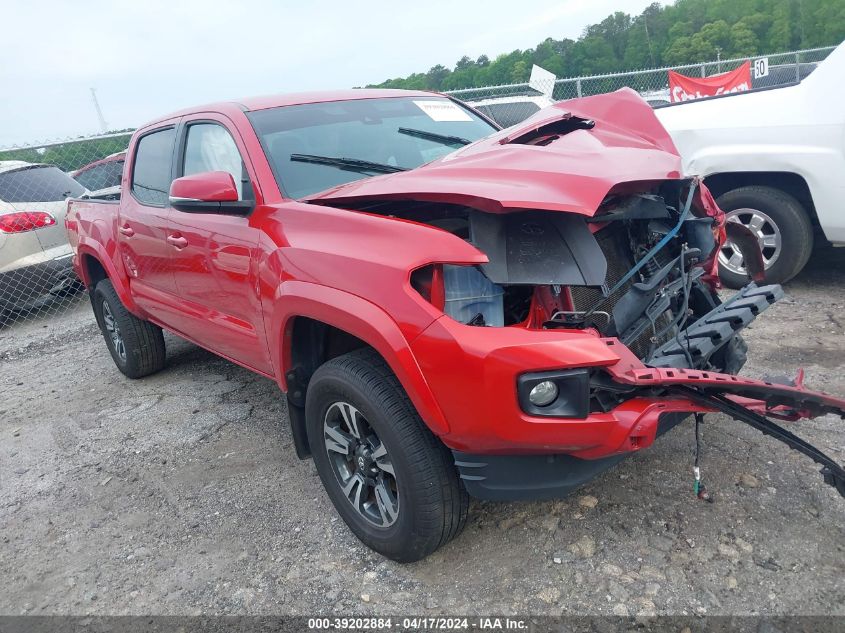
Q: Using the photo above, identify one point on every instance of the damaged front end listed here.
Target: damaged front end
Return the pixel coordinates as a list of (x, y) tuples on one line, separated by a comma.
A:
[(586, 224), (599, 287), (641, 270)]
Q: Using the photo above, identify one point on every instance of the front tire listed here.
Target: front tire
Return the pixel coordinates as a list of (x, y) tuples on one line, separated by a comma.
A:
[(390, 479), (782, 227), (135, 345)]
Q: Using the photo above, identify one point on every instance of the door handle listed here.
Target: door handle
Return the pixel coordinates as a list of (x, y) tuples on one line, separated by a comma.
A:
[(128, 231), (177, 240)]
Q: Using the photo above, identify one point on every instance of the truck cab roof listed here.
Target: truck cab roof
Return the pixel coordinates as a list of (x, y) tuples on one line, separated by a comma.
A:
[(265, 102)]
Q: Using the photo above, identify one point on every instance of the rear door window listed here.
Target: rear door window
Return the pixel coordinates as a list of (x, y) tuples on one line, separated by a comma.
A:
[(152, 173), (101, 176), (38, 183)]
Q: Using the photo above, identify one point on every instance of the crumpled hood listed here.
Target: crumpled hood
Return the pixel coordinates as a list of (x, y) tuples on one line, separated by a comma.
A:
[(572, 173)]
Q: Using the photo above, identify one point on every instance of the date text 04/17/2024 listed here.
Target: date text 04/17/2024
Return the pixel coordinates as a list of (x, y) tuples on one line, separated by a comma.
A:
[(418, 623)]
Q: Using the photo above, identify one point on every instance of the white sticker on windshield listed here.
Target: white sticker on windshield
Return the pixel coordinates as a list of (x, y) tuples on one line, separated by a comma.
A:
[(443, 110)]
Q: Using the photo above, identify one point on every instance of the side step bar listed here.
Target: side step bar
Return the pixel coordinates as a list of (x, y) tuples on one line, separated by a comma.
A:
[(704, 337), (832, 473)]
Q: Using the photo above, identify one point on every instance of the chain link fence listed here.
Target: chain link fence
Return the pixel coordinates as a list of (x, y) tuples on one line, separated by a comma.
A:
[(512, 103), (36, 278)]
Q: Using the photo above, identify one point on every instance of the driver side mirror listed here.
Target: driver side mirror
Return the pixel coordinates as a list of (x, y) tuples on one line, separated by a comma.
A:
[(208, 192)]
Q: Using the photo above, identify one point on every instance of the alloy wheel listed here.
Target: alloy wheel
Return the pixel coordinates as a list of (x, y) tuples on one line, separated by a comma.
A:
[(765, 230), (361, 464), (113, 331)]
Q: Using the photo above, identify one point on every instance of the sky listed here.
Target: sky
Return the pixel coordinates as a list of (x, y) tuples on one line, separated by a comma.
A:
[(146, 58)]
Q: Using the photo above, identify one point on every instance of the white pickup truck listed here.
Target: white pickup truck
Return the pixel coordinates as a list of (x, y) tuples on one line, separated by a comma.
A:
[(775, 160)]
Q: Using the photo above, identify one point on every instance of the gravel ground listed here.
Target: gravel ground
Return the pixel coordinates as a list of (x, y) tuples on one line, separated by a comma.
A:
[(181, 494)]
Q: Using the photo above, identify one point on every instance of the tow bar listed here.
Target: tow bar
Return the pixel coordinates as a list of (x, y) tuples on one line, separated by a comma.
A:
[(832, 473)]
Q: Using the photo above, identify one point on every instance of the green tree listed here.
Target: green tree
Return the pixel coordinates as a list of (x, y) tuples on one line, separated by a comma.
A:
[(744, 41), (639, 52), (614, 31), (679, 50), (783, 35), (435, 76), (464, 63), (713, 39), (521, 72), (594, 55), (688, 31), (825, 23)]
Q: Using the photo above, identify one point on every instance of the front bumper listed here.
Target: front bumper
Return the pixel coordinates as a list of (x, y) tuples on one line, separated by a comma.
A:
[(23, 287), (473, 373), (536, 477)]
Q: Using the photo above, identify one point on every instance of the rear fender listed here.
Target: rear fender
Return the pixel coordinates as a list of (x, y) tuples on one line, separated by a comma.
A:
[(116, 274), (360, 318)]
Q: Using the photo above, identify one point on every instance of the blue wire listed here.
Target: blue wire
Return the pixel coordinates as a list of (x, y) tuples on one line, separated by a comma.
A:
[(652, 252)]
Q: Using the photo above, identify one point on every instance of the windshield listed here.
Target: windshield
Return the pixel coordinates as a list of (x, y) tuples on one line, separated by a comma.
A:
[(349, 140), (38, 183)]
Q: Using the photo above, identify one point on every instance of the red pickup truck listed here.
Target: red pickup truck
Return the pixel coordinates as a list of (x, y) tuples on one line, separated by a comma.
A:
[(450, 308)]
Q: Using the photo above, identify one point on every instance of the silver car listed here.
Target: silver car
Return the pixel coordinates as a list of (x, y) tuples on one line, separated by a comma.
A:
[(35, 257)]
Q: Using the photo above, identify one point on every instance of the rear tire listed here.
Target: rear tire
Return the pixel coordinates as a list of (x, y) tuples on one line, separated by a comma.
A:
[(136, 346), (410, 514), (792, 229)]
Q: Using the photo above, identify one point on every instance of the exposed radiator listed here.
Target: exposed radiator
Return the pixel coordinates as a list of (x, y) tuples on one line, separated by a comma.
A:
[(614, 243)]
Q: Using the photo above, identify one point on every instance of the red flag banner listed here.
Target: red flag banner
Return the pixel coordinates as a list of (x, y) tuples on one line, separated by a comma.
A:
[(683, 88)]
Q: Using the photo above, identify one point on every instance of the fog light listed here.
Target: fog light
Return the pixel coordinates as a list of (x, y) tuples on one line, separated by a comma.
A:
[(543, 393)]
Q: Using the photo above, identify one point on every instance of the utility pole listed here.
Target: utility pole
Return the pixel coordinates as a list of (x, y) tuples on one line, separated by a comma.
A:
[(648, 39), (103, 126)]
